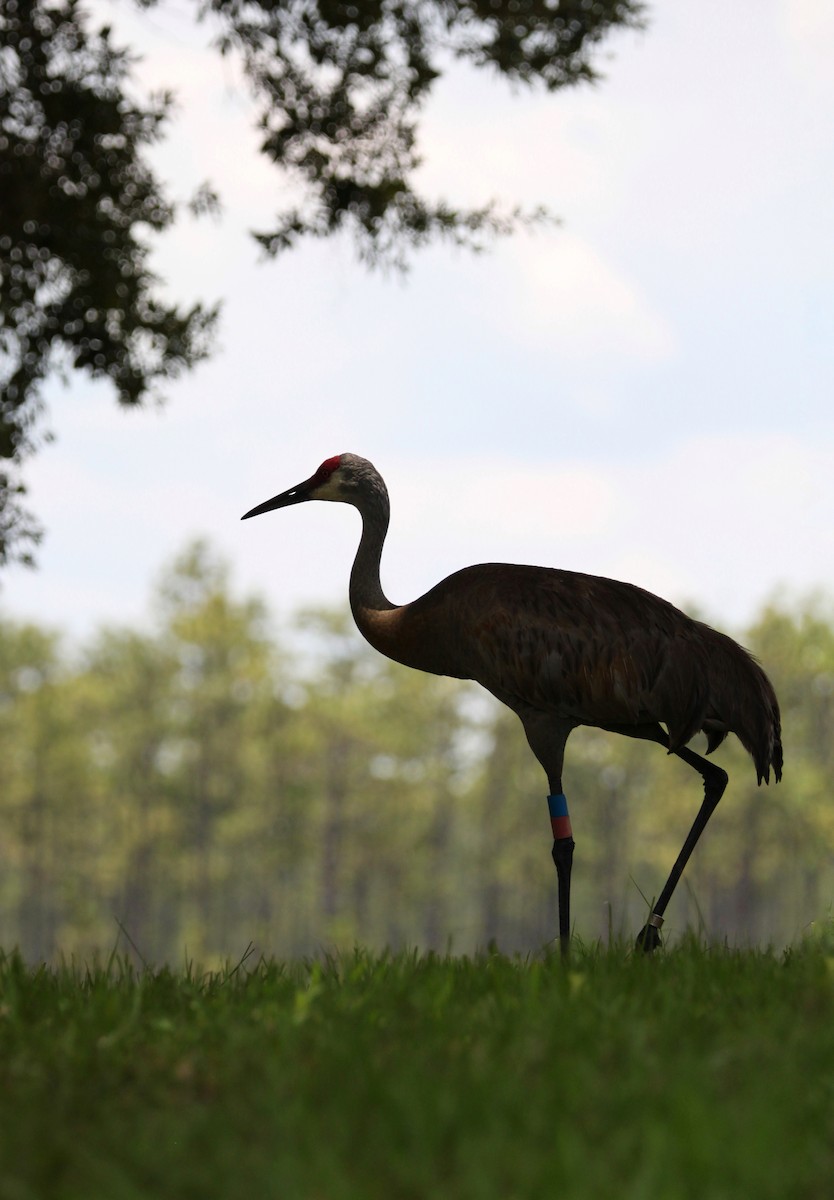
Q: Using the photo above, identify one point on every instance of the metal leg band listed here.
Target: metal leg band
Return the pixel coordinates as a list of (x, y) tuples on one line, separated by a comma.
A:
[(655, 920)]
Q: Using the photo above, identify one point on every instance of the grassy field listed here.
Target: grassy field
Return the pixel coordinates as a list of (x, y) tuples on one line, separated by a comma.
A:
[(699, 1073)]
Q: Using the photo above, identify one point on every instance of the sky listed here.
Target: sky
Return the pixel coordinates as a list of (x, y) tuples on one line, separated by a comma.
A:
[(645, 391)]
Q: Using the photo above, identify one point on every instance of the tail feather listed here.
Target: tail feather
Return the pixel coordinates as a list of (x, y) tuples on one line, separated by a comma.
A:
[(742, 701)]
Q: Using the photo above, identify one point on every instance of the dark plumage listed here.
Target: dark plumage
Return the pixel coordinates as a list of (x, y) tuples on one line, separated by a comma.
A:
[(563, 649)]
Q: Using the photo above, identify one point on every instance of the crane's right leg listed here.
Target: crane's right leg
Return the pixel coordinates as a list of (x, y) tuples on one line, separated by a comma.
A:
[(547, 737), (715, 781)]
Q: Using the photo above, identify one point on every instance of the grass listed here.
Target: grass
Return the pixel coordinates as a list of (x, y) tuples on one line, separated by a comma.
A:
[(700, 1073)]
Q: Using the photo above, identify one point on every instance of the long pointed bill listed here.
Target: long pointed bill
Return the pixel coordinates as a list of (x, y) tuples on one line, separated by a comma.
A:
[(293, 495)]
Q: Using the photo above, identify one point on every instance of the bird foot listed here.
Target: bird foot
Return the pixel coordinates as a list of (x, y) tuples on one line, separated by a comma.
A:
[(648, 939)]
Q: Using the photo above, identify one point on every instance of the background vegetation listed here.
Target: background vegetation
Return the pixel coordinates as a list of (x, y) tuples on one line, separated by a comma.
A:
[(201, 786)]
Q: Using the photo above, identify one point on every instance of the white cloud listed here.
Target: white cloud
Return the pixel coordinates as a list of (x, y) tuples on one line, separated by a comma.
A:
[(567, 297), (720, 521), (810, 29), (723, 520), (501, 508), (717, 520)]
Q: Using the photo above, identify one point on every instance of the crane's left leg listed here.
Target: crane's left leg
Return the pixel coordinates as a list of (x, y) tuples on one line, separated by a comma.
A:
[(562, 854), (547, 737)]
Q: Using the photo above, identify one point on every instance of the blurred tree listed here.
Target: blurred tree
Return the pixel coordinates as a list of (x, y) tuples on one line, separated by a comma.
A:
[(44, 792), (386, 759), (224, 675), (791, 832), (125, 707), (196, 785), (339, 87)]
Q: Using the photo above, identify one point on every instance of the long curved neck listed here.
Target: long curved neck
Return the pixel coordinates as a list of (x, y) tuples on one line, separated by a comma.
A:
[(390, 628), (366, 594)]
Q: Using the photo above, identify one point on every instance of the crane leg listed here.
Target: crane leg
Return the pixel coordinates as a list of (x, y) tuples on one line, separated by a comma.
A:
[(715, 781), (547, 737), (563, 860)]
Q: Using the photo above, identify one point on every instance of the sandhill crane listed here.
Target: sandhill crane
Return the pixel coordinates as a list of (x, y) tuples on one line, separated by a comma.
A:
[(562, 649)]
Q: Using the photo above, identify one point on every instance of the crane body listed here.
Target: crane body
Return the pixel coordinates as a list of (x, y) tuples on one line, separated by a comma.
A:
[(562, 649)]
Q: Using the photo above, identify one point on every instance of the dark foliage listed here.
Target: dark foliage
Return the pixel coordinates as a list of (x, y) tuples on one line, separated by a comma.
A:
[(341, 85), (76, 202)]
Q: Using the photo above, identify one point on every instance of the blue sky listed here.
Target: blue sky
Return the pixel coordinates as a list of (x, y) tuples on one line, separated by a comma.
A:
[(643, 392)]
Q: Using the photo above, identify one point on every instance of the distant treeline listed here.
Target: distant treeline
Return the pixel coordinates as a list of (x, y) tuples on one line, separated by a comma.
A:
[(206, 783)]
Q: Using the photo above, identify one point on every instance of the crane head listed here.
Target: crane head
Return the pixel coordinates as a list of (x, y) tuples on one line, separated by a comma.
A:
[(338, 478)]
